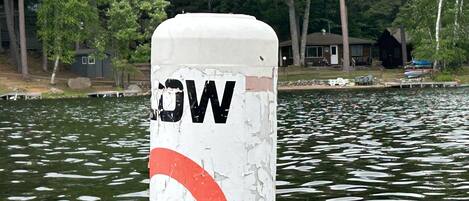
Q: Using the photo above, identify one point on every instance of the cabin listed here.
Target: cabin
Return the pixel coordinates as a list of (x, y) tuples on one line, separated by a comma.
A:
[(326, 49), (390, 49), (87, 65)]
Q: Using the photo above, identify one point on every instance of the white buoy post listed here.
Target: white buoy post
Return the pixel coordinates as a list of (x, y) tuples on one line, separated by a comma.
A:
[(214, 97)]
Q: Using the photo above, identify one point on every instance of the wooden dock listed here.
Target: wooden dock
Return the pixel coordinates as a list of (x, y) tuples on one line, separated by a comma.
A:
[(107, 94), (20, 96), (422, 84)]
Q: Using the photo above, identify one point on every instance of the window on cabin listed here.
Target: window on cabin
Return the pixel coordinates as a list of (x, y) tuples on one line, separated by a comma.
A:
[(84, 60), (313, 52), (334, 50), (91, 60), (357, 50)]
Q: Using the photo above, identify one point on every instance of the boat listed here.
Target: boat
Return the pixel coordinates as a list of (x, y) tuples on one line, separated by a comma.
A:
[(418, 68)]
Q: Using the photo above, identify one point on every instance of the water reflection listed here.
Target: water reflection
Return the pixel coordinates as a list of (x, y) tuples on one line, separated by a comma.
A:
[(352, 145)]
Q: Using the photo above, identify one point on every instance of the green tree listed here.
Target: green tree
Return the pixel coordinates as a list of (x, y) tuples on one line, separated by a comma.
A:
[(61, 24), (437, 30), (369, 19), (126, 30), (123, 27)]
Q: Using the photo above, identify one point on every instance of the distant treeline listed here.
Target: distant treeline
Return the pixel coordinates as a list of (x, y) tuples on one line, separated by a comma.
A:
[(121, 29)]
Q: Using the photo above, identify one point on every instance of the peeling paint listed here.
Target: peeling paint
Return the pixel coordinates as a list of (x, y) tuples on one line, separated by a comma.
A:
[(255, 84), (241, 152)]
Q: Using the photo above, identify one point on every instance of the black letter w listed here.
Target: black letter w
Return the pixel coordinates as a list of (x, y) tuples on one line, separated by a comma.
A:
[(220, 112)]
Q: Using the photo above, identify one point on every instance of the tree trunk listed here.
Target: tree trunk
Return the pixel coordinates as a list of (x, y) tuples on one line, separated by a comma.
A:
[(24, 55), (345, 38), (1, 45), (456, 16), (403, 46), (293, 32), (461, 8), (54, 72), (437, 32), (461, 14), (44, 58), (305, 33), (10, 19), (458, 12)]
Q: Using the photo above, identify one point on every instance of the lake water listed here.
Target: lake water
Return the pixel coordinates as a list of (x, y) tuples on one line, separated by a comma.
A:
[(347, 145)]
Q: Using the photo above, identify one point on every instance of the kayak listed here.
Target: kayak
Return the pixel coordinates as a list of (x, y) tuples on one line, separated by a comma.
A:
[(416, 73), (421, 63)]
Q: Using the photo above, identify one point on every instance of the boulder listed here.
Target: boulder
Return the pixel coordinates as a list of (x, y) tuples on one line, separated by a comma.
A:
[(134, 88), (79, 83), (54, 90)]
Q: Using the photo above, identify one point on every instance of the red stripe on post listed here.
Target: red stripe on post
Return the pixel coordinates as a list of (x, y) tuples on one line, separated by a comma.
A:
[(188, 173)]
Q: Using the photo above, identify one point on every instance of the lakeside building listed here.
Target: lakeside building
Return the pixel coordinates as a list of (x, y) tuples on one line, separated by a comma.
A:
[(326, 49), (87, 65), (390, 49)]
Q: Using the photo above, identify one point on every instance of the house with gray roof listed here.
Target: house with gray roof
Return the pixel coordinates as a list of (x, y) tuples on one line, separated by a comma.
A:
[(326, 49)]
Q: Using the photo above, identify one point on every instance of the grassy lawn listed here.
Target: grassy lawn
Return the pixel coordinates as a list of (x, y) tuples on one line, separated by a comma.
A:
[(298, 73), (2, 90), (68, 94), (462, 75), (386, 75)]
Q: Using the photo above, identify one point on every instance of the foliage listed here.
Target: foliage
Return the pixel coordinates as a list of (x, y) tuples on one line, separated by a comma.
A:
[(62, 23), (443, 77), (367, 18), (419, 18), (123, 28), (141, 54), (130, 25), (123, 65), (126, 30)]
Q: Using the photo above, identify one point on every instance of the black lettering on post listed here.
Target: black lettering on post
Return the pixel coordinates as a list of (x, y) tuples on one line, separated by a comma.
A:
[(176, 114), (220, 112), (153, 115)]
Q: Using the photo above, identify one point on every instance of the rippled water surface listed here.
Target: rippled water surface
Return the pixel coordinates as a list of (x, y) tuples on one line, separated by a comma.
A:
[(78, 149), (388, 144), (347, 145)]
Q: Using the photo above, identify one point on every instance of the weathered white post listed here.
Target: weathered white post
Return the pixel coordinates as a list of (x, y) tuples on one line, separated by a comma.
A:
[(213, 127)]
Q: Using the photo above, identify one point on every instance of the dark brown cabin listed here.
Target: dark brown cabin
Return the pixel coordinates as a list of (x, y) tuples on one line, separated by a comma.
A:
[(390, 50)]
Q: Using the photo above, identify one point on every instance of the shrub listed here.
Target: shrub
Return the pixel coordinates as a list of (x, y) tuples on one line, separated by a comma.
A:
[(443, 77)]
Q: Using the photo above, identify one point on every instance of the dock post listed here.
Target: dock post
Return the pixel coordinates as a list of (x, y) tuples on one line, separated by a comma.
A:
[(213, 121)]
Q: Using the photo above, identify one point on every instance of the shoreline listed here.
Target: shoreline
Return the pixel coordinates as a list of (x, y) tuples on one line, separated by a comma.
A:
[(280, 88), (45, 96), (324, 87)]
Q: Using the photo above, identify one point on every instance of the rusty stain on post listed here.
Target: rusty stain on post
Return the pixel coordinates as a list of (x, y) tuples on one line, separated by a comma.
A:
[(258, 83)]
